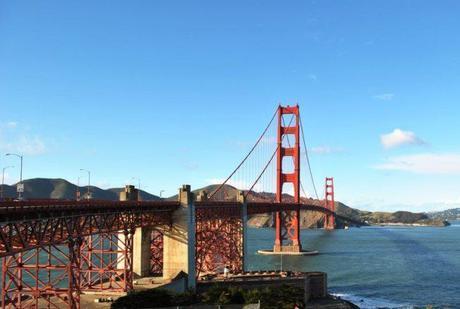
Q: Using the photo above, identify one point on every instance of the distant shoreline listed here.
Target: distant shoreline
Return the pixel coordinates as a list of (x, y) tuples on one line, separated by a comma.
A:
[(399, 224)]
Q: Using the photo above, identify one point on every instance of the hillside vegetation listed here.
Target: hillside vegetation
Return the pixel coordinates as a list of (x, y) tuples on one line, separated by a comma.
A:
[(449, 214), (44, 188)]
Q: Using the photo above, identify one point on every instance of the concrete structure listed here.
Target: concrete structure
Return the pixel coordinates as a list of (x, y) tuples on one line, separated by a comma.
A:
[(179, 240), (141, 241), (244, 217), (314, 284), (130, 194)]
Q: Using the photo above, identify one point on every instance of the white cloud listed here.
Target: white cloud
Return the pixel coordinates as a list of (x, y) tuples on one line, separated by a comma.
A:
[(24, 145), (11, 124), (384, 96), (399, 138), (326, 150), (425, 163), (19, 140)]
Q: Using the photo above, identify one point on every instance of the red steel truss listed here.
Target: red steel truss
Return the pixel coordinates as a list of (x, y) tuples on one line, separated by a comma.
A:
[(156, 253), (27, 227), (287, 223), (329, 201), (42, 277), (106, 262), (219, 237), (52, 253)]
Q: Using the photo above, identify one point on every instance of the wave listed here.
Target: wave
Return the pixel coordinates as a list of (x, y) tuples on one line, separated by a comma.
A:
[(368, 303)]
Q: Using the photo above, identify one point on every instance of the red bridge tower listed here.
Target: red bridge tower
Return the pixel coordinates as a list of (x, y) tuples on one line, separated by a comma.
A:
[(329, 219), (287, 237)]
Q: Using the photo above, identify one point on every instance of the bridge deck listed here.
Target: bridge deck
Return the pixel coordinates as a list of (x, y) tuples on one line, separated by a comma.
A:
[(34, 209), (23, 210)]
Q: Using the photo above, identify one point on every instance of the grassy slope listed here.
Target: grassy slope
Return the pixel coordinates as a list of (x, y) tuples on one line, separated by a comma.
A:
[(44, 188)]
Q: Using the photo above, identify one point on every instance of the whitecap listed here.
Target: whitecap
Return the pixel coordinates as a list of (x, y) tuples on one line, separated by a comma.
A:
[(368, 303)]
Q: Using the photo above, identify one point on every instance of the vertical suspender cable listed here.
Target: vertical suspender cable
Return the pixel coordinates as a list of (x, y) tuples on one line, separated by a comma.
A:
[(306, 156)]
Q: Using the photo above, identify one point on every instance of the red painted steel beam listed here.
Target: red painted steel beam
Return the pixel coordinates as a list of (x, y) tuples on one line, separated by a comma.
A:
[(22, 235)]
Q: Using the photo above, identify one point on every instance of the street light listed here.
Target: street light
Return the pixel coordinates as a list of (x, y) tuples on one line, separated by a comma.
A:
[(3, 180), (161, 193), (20, 188), (89, 182)]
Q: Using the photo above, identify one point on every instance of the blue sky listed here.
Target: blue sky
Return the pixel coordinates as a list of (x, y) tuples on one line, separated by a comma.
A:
[(167, 90)]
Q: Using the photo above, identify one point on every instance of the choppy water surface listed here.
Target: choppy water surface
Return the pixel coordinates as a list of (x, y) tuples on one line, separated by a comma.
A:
[(377, 267)]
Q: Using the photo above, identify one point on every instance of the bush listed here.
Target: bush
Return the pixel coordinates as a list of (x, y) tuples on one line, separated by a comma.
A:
[(274, 297), (159, 297)]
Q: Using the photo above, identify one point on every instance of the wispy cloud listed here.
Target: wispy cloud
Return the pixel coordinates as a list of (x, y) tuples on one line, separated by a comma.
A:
[(24, 145), (322, 150), (11, 124), (384, 96), (425, 163), (398, 138), (15, 139)]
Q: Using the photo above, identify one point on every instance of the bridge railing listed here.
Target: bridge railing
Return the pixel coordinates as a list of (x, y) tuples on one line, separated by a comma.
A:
[(23, 210)]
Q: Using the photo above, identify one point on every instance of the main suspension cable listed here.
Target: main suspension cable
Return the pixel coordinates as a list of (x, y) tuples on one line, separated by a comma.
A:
[(273, 155), (247, 156)]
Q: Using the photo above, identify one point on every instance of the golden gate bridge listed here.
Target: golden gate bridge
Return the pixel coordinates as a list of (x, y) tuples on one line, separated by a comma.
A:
[(53, 251)]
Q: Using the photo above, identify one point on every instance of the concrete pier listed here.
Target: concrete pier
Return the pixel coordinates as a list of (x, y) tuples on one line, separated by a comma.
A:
[(244, 218), (179, 240), (141, 240)]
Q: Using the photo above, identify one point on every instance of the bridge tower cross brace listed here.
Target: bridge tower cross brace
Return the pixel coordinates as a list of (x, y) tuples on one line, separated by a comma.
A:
[(287, 238)]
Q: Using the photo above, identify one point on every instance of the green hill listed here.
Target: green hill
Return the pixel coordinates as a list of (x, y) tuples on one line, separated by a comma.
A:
[(45, 188)]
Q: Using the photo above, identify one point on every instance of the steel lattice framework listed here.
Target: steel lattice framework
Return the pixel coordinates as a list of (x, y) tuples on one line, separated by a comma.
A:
[(156, 253), (219, 237), (106, 262), (31, 225), (53, 250), (42, 277)]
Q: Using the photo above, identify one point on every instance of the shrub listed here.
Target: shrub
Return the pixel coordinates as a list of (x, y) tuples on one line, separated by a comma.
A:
[(159, 297)]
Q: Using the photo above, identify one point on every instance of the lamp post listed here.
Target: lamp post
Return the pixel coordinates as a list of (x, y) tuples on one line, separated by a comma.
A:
[(89, 182), (20, 187), (161, 193), (3, 180)]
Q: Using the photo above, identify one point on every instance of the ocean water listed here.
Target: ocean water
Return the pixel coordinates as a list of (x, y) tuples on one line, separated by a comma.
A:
[(376, 267)]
